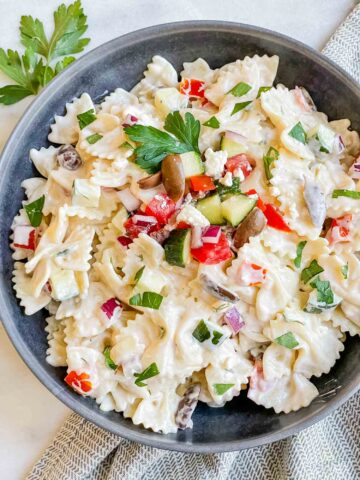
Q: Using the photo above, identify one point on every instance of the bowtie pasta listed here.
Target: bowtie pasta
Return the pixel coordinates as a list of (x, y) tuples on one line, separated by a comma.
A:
[(191, 239)]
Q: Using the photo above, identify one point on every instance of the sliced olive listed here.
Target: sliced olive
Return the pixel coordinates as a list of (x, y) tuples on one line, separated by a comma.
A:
[(173, 177), (151, 181), (187, 406), (218, 291), (69, 158), (315, 202), (253, 224)]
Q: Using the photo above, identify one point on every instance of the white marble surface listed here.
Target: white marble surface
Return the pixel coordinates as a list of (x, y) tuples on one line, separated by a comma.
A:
[(30, 415)]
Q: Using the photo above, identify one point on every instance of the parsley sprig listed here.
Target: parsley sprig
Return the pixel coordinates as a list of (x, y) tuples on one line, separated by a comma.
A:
[(156, 144), (36, 67)]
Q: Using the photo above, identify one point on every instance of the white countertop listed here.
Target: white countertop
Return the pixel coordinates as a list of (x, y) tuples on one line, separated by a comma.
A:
[(30, 415)]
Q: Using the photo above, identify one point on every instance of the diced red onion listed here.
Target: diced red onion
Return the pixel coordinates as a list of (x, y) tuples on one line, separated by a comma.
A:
[(211, 234), (196, 240), (112, 308), (234, 320), (339, 146), (130, 120), (25, 237), (144, 220), (129, 201), (236, 137), (124, 241), (355, 169)]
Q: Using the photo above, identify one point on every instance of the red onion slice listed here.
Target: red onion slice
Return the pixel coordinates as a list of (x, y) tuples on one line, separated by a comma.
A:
[(196, 240), (339, 146), (129, 201), (112, 308), (144, 220), (234, 320), (130, 120), (211, 234)]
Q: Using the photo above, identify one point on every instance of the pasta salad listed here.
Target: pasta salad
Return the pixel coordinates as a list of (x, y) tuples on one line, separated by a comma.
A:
[(191, 239)]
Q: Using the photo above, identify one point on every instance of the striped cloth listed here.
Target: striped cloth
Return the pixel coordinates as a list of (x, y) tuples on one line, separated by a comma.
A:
[(329, 450)]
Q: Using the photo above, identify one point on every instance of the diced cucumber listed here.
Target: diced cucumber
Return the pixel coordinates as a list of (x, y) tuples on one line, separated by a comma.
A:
[(119, 219), (210, 207), (235, 208), (231, 145), (63, 284), (150, 281), (85, 194), (192, 164), (177, 247), (169, 99), (326, 138)]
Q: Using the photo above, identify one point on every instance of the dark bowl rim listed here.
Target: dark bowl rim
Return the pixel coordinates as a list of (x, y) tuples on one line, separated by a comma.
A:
[(36, 367)]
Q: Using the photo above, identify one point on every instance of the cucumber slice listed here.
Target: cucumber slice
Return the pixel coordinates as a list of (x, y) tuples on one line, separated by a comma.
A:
[(177, 247), (192, 164), (237, 207), (210, 207), (231, 145), (326, 138)]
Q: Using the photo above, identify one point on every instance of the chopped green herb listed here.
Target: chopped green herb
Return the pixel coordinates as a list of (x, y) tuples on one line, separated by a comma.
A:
[(345, 271), (30, 72), (299, 250), (108, 361), (287, 340), (201, 332), (298, 133), (346, 193), (309, 272), (34, 211), (271, 155), (147, 300), (221, 388), (126, 145), (240, 89), (262, 90), (213, 122), (95, 137), (138, 275), (240, 106), (224, 190), (216, 337), (149, 372), (86, 118), (156, 144), (324, 292), (324, 150)]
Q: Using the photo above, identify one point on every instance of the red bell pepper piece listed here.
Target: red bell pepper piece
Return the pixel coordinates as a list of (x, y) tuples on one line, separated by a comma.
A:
[(212, 253), (133, 230), (192, 87), (161, 207), (340, 229), (79, 382), (242, 162), (201, 183), (183, 225)]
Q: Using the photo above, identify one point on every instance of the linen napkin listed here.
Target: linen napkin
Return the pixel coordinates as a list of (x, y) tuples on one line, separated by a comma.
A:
[(328, 450)]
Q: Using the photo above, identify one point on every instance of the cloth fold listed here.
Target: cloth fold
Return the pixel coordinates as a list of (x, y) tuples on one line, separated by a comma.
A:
[(330, 449)]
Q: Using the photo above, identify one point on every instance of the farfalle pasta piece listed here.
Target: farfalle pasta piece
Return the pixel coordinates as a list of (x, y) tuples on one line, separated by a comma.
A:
[(117, 101), (255, 71), (21, 281), (65, 129), (56, 353), (44, 159), (199, 70), (107, 204), (277, 242), (159, 73)]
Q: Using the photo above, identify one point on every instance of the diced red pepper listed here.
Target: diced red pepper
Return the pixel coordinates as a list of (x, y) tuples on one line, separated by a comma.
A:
[(133, 230), (183, 225), (340, 229), (161, 207), (79, 382), (251, 274), (202, 183), (192, 87), (211, 253), (274, 219), (28, 235), (124, 240), (242, 162)]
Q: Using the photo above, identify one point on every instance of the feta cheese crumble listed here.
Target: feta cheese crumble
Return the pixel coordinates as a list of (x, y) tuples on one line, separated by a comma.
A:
[(227, 179), (192, 216), (215, 162)]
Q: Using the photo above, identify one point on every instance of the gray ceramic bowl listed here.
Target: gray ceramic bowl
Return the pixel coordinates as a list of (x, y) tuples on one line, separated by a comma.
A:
[(121, 62)]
